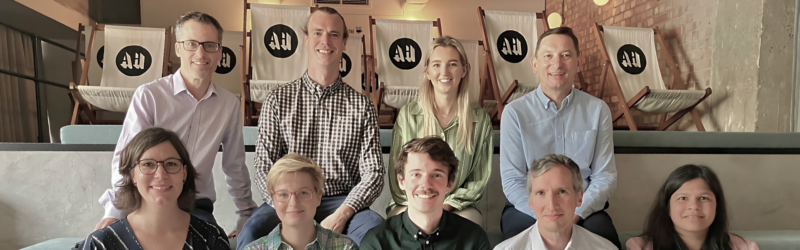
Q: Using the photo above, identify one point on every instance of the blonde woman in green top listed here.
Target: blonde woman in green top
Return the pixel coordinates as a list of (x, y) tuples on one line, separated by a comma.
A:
[(444, 109)]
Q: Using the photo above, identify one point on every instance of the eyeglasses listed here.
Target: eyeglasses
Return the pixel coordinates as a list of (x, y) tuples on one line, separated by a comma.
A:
[(210, 47), (148, 167), (284, 196)]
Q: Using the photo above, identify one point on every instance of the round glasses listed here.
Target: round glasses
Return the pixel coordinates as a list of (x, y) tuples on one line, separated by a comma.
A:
[(148, 167), (210, 47), (284, 196)]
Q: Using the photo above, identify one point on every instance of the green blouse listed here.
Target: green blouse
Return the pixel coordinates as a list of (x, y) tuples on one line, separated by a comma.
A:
[(473, 169)]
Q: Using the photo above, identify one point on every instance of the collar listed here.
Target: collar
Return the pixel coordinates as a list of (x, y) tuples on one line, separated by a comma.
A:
[(178, 86), (545, 101), (413, 230), (538, 242), (314, 88), (277, 241)]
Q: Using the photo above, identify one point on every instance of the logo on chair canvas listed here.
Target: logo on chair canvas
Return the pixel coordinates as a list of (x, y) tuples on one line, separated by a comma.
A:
[(631, 59), (134, 60), (512, 46), (281, 41), (228, 61), (405, 53), (345, 65), (100, 56)]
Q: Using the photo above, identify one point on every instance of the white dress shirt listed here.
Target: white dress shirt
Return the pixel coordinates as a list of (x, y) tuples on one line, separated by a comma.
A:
[(202, 126), (581, 239)]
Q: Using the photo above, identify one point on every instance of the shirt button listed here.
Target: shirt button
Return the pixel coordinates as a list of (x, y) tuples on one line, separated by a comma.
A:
[(437, 234), (427, 242), (420, 233), (559, 136), (415, 236)]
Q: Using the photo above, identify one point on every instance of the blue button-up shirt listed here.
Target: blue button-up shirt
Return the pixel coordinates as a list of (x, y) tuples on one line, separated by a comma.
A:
[(532, 127)]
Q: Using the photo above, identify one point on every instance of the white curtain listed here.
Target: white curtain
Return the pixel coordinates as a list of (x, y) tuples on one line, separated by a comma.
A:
[(17, 95)]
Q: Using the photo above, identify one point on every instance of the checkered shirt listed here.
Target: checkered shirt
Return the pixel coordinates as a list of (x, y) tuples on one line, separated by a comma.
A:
[(336, 126)]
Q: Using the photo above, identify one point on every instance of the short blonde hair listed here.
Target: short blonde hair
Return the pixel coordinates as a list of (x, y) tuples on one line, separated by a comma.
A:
[(295, 163)]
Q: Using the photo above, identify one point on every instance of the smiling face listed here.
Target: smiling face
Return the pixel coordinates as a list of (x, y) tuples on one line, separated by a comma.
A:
[(325, 41), (693, 207), (553, 199), (556, 62), (445, 70), (161, 187), (296, 211), (425, 183), (198, 64)]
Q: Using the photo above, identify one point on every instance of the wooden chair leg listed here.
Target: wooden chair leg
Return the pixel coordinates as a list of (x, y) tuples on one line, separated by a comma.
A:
[(697, 122), (628, 117), (75, 114), (674, 118)]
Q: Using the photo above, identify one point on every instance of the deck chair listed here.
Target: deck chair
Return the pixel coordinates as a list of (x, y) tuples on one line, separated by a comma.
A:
[(401, 47), (350, 67), (277, 44), (637, 77), (509, 40), (227, 73), (132, 56)]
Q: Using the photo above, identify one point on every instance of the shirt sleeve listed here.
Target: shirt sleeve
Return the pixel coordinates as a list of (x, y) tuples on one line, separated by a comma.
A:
[(513, 167), (234, 167), (139, 117), (604, 169), (370, 165), (401, 128), (270, 145), (475, 184)]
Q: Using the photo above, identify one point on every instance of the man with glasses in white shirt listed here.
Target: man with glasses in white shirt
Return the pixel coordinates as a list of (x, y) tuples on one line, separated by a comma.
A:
[(203, 114)]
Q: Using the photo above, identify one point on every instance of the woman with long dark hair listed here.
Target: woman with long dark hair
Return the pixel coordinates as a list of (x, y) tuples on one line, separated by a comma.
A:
[(689, 213)]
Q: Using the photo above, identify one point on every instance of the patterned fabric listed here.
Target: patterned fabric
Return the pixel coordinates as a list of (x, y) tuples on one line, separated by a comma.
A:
[(119, 235), (326, 240), (336, 126), (473, 169)]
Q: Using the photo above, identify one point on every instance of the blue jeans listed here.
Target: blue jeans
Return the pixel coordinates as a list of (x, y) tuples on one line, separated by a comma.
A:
[(265, 219)]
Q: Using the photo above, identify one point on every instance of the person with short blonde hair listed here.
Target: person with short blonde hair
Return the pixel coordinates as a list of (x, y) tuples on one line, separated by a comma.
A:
[(444, 108), (296, 184)]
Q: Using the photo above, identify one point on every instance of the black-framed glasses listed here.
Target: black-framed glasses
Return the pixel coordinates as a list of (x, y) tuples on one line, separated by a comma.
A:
[(284, 196), (148, 167), (210, 47)]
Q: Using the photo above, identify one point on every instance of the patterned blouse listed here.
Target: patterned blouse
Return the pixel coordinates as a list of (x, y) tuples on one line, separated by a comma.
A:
[(119, 235)]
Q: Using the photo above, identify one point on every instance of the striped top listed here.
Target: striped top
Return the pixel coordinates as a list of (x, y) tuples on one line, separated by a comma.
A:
[(326, 240), (119, 235)]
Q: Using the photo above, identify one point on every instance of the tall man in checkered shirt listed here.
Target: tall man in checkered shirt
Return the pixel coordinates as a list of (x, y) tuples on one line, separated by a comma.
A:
[(321, 117)]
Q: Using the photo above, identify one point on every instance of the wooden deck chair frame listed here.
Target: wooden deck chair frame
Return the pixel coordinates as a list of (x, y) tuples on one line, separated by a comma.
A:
[(675, 83), (377, 94), (490, 75), (250, 110), (80, 67)]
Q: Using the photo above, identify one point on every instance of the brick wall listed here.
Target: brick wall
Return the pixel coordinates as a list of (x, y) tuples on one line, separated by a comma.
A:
[(687, 25)]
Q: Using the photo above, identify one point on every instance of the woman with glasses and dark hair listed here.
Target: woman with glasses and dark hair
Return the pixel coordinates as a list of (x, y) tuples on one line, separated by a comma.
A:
[(689, 213), (295, 184), (157, 192)]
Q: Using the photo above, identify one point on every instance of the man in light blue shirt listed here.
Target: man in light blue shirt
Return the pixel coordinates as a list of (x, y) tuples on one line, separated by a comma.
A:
[(558, 119)]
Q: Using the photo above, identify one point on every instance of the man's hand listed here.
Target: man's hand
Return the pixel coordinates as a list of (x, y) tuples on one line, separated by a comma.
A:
[(576, 219), (448, 208), (337, 220), (233, 234), (105, 222)]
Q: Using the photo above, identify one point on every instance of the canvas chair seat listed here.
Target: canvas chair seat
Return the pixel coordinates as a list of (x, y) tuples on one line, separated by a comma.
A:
[(667, 101), (107, 98), (519, 92), (260, 89), (488, 105), (399, 96)]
